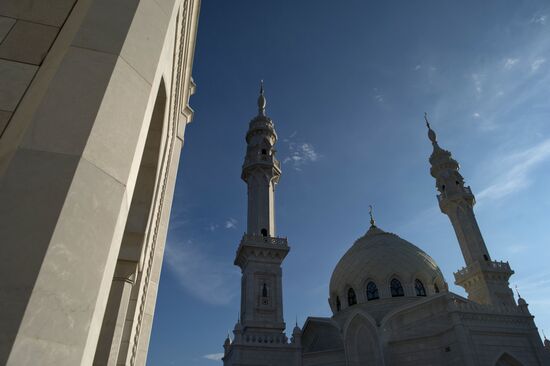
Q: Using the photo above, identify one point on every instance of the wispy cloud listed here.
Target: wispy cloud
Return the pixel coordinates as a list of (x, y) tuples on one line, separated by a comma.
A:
[(539, 19), (517, 248), (417, 67), (377, 95), (231, 223), (214, 356), (476, 115), (300, 154), (535, 65), (517, 168), (212, 227), (533, 286), (510, 62), (478, 83), (214, 282)]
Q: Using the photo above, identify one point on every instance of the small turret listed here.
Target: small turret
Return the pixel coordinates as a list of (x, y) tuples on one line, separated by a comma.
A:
[(227, 344), (546, 342), (296, 335), (522, 304)]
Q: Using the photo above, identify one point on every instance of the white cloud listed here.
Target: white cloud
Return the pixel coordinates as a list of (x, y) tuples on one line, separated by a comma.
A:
[(214, 356), (476, 115), (537, 64), (377, 95), (212, 227), (517, 248), (539, 19), (300, 154), (417, 67), (510, 62), (214, 282), (231, 223), (478, 84), (517, 168)]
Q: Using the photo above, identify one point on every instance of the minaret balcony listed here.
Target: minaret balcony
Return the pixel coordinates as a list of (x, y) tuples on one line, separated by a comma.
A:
[(264, 240), (262, 160), (262, 249), (464, 193), (495, 269)]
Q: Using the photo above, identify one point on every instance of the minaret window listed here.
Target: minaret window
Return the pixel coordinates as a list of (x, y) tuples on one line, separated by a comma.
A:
[(372, 291), (338, 304), (436, 288), (352, 299), (396, 289), (264, 290), (264, 152), (264, 232), (486, 257), (419, 288)]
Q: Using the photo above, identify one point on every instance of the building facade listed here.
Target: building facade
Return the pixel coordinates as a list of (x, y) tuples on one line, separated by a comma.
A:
[(390, 301), (93, 108)]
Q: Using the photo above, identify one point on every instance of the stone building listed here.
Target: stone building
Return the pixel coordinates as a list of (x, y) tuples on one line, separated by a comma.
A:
[(93, 108), (390, 302)]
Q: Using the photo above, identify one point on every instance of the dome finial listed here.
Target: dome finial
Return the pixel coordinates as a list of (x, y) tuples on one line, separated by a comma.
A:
[(431, 133), (261, 100), (371, 214)]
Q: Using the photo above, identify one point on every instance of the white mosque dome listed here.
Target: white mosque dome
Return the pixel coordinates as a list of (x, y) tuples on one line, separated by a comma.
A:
[(381, 265)]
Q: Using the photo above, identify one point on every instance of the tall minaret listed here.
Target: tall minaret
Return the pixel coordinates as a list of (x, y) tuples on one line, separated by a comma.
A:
[(261, 253), (484, 280)]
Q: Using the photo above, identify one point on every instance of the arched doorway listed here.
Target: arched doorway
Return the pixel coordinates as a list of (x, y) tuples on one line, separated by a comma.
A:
[(117, 327), (361, 343), (507, 360)]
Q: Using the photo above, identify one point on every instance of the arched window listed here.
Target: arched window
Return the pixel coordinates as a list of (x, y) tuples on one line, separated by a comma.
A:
[(264, 232), (419, 288), (352, 299), (338, 304), (264, 290), (372, 291), (396, 288), (264, 152), (436, 288)]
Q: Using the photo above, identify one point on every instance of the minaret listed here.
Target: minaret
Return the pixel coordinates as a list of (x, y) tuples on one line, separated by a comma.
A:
[(484, 280), (261, 253)]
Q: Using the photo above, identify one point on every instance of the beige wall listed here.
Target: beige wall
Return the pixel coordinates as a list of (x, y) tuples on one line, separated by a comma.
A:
[(75, 119)]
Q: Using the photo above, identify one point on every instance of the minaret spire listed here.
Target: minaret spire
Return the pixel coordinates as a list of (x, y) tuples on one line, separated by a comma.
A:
[(486, 281), (262, 102), (431, 133), (371, 214)]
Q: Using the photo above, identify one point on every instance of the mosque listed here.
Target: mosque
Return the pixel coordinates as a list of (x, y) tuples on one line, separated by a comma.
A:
[(391, 304)]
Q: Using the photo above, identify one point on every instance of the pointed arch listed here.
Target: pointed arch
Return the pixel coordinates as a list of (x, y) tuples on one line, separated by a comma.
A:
[(396, 288), (361, 341), (372, 291), (419, 288), (507, 360), (352, 297), (138, 240)]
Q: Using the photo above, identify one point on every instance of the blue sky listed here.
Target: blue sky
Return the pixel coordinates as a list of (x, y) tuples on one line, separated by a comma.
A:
[(347, 84)]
